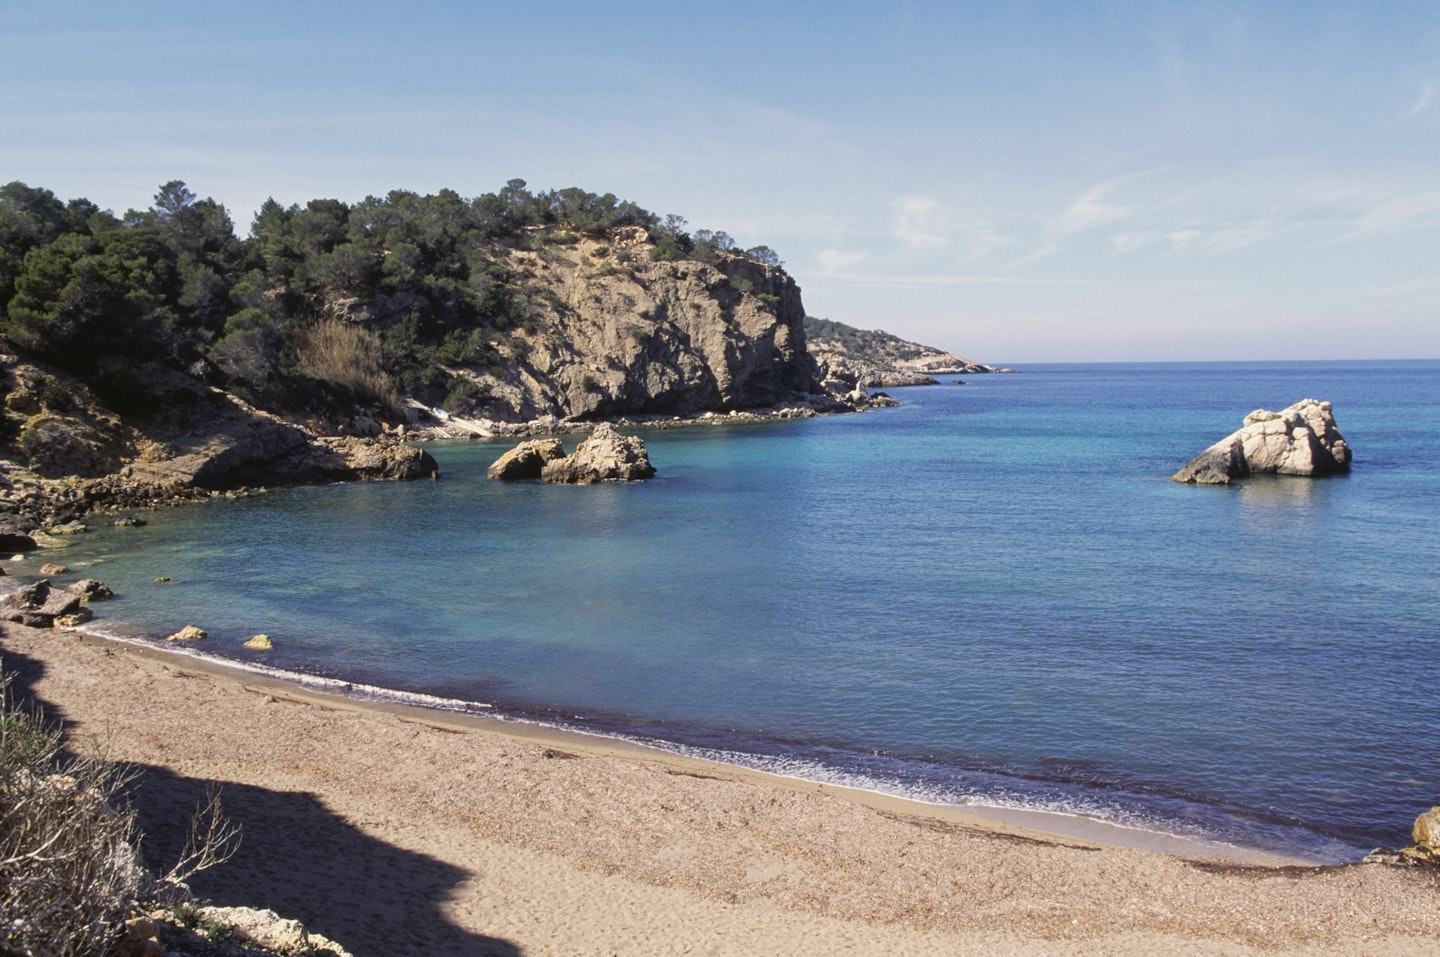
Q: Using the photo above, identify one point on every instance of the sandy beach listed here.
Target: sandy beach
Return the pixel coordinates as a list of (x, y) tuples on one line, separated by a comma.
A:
[(399, 831)]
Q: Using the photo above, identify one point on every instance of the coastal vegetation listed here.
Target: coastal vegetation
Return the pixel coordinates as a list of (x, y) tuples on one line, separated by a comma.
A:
[(325, 308), (160, 354)]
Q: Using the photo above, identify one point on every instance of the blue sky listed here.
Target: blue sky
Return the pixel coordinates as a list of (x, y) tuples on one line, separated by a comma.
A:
[(1017, 182)]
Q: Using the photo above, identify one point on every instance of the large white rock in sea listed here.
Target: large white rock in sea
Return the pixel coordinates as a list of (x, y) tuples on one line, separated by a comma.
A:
[(606, 454), (1299, 440)]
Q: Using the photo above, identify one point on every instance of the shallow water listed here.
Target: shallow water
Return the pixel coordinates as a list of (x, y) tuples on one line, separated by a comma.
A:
[(991, 594)]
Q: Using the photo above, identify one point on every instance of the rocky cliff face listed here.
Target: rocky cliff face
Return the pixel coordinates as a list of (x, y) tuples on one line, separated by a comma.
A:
[(617, 334)]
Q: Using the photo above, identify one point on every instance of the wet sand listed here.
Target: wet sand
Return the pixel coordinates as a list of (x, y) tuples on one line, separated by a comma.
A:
[(395, 830)]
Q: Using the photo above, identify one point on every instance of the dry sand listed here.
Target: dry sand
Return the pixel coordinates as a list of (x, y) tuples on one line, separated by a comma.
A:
[(398, 831)]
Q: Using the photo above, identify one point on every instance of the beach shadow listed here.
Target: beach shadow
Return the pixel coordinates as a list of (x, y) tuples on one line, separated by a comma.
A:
[(301, 861), (295, 858)]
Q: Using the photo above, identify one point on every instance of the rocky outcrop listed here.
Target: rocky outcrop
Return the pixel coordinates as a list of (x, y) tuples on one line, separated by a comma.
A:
[(89, 589), (614, 333), (526, 460), (605, 455), (1299, 440), (850, 358), (352, 458), (38, 605)]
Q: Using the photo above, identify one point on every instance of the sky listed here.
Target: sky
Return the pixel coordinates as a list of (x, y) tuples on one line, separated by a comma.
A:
[(1016, 182)]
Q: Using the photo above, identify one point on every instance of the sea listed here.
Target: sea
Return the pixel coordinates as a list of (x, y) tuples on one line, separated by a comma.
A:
[(991, 595)]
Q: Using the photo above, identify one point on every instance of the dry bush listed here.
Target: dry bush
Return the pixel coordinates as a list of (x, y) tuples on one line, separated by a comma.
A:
[(70, 871), (344, 354)]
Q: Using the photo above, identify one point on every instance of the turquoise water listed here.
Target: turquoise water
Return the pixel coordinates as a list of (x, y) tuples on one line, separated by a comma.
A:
[(992, 594)]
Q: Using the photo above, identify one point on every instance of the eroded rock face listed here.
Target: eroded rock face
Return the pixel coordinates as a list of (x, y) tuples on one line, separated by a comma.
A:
[(1299, 440), (526, 460), (621, 335), (606, 454)]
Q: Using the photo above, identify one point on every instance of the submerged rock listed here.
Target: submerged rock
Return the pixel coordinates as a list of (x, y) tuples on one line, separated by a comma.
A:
[(1299, 440), (526, 460), (606, 454)]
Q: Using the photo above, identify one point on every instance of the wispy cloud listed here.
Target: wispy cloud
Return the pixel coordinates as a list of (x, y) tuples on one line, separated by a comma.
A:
[(919, 221), (835, 261), (1422, 101), (1091, 209)]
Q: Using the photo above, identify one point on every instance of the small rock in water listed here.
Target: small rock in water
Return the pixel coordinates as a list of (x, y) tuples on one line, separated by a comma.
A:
[(188, 633), (91, 590), (163, 579), (260, 643), (51, 568)]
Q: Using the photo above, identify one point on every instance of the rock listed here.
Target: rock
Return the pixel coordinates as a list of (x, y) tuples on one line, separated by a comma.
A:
[(188, 633), (129, 522), (37, 605), (606, 454), (88, 589), (164, 580), (1426, 835), (51, 568), (13, 538), (1299, 440), (260, 643), (385, 458), (77, 617), (69, 528), (136, 947), (351, 457), (262, 928), (526, 460)]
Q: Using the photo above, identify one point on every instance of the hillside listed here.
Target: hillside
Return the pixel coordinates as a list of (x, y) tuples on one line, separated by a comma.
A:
[(848, 356), (156, 355)]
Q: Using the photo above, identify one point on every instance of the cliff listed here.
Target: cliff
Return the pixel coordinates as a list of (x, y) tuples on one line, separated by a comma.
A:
[(613, 333), (848, 357)]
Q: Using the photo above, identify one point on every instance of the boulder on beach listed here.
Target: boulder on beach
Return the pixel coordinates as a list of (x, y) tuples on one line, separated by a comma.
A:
[(1299, 440), (606, 454), (1426, 835), (526, 460), (38, 605)]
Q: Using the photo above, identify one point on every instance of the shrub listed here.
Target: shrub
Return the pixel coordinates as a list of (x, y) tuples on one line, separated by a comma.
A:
[(343, 354), (68, 867), (70, 871)]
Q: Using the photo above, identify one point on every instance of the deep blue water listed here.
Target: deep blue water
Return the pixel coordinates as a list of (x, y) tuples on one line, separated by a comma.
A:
[(993, 593)]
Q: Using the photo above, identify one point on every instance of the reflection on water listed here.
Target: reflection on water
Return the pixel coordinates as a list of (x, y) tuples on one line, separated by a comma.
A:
[(1280, 491)]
